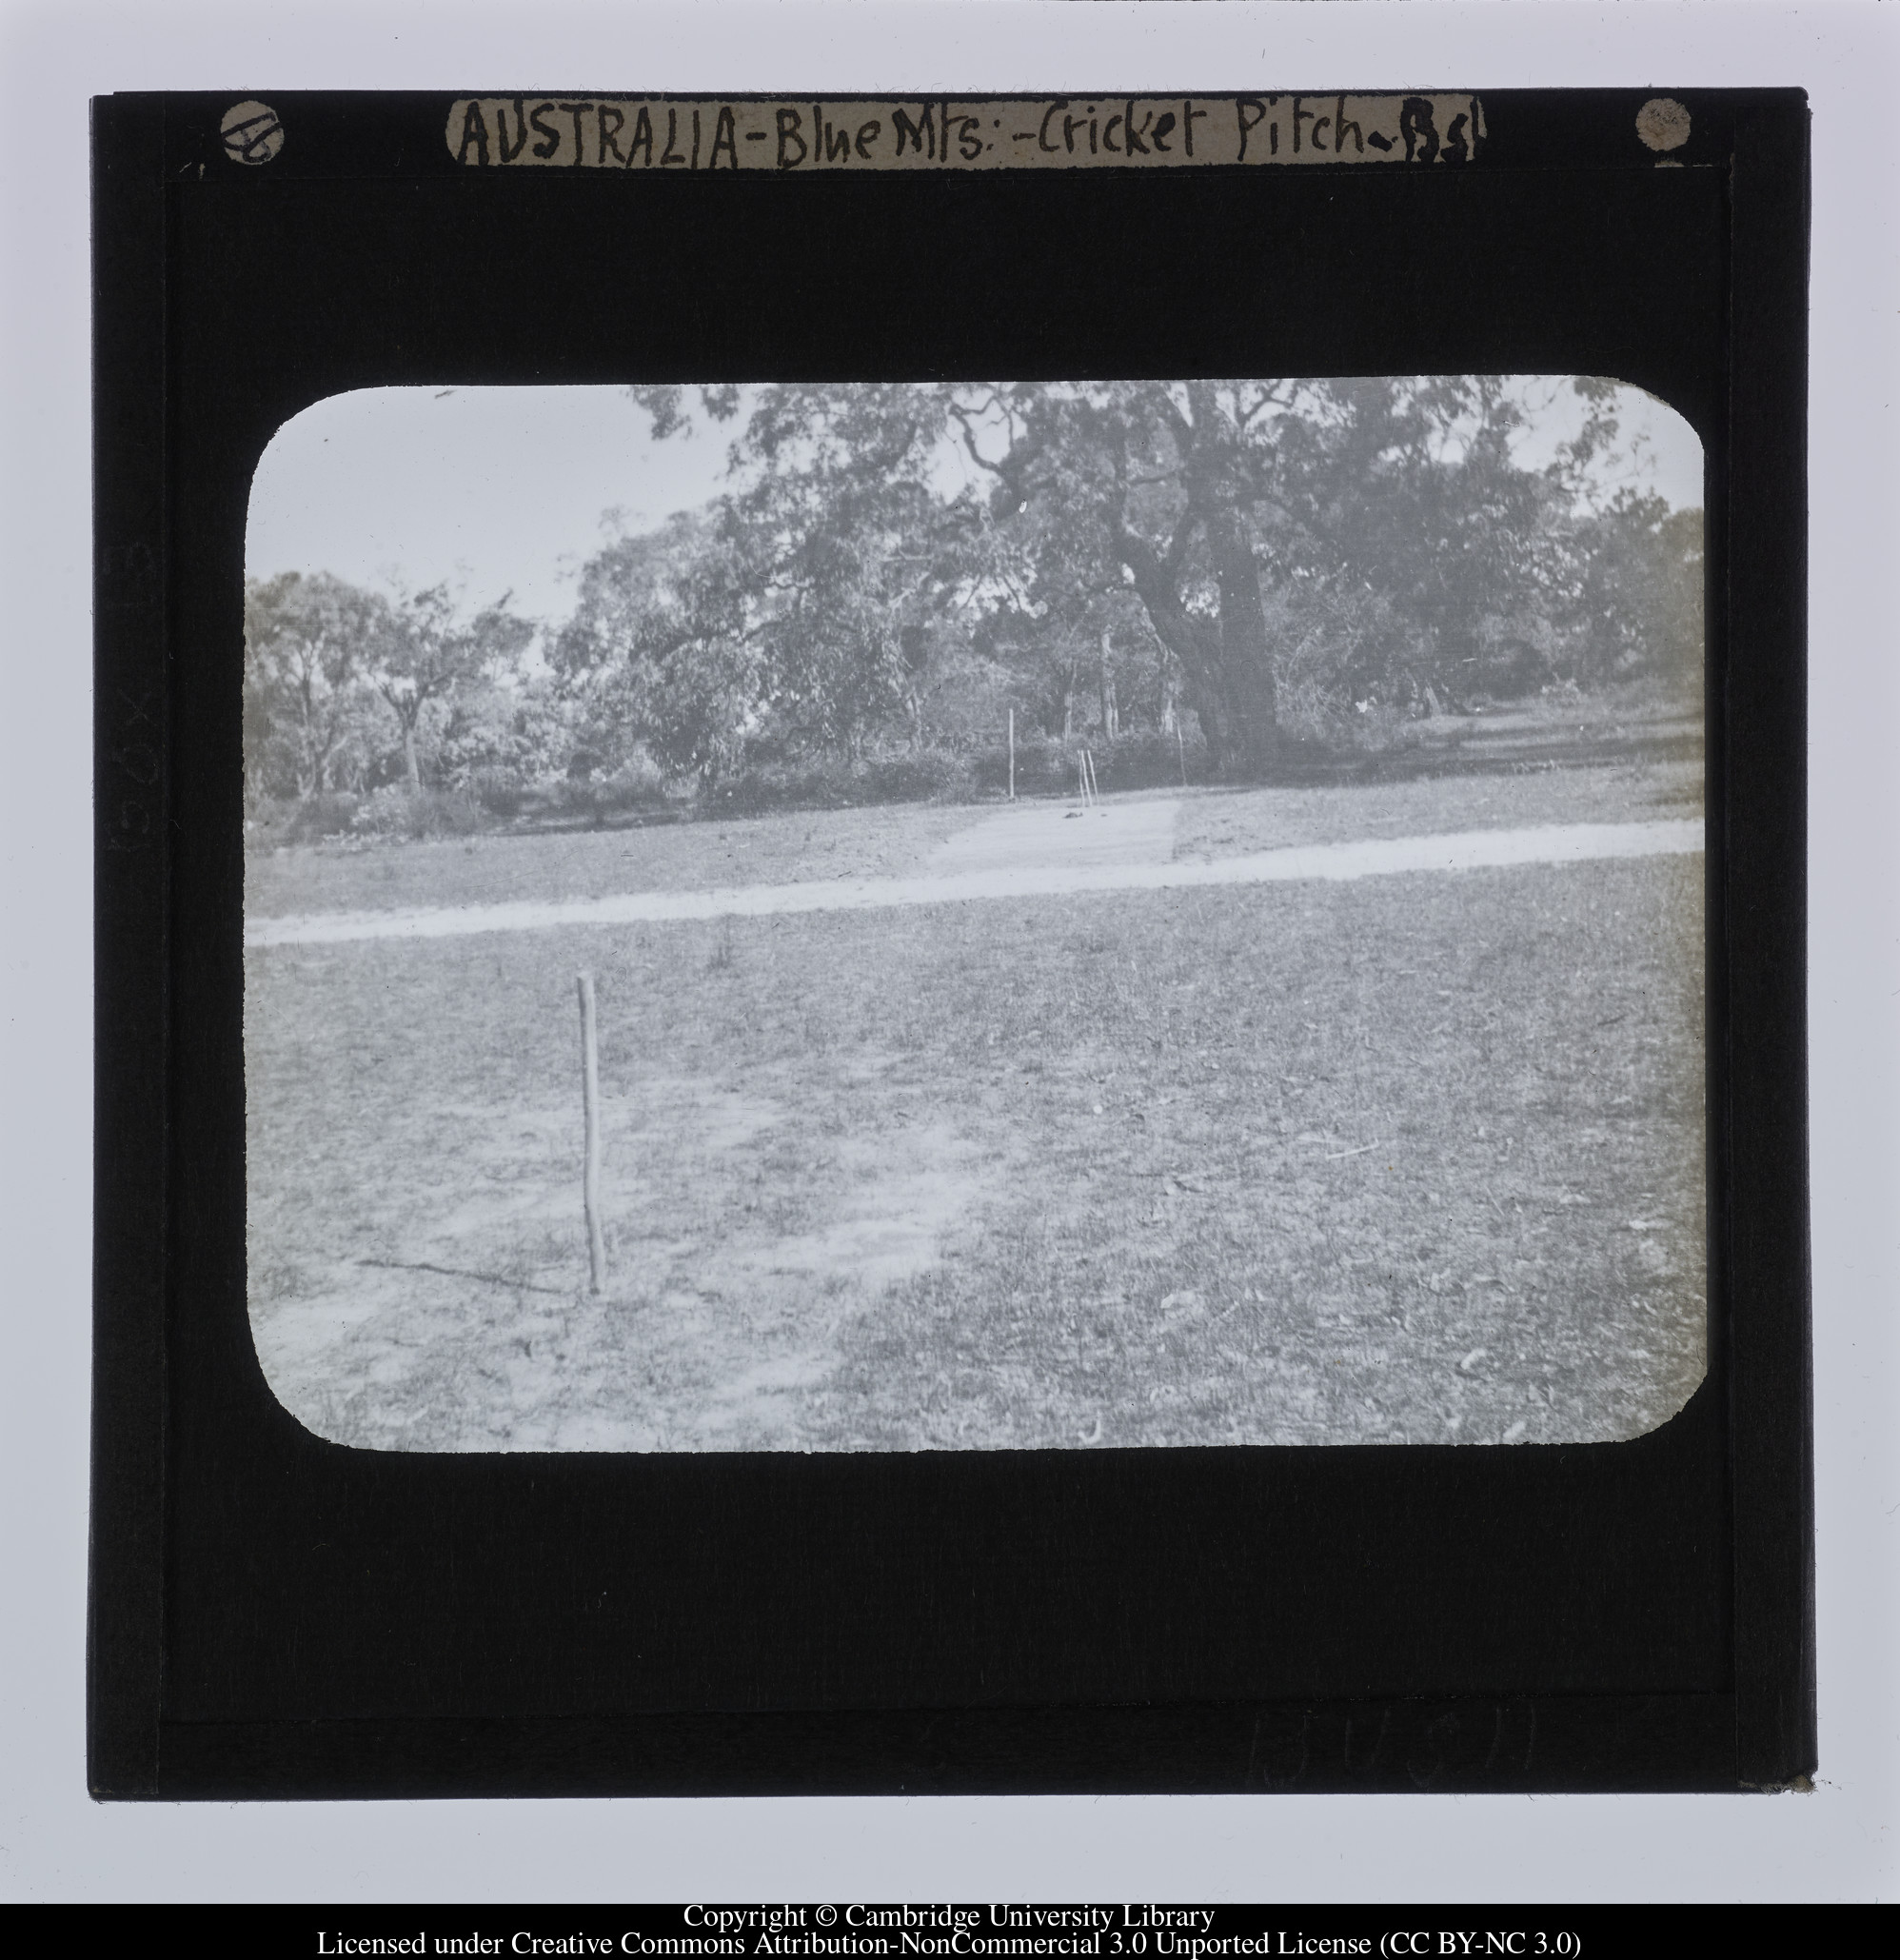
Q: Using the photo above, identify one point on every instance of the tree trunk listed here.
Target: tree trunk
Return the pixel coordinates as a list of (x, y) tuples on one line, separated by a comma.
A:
[(1212, 734), (1246, 661), (1105, 694), (410, 768), (1193, 641)]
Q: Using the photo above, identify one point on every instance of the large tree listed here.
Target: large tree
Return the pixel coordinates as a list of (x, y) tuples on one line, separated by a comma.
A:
[(422, 650), (664, 649), (1083, 494), (307, 642), (1380, 536)]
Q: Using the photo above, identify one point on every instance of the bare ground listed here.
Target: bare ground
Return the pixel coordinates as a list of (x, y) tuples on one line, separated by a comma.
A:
[(1420, 1161)]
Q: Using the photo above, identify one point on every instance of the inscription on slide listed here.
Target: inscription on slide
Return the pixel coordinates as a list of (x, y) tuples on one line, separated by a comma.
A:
[(1051, 132)]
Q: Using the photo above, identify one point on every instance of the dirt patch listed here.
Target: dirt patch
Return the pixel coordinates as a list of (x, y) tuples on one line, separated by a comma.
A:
[(1139, 831), (470, 1327)]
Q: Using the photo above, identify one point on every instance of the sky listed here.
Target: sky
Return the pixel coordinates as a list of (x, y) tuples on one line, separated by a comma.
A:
[(495, 490)]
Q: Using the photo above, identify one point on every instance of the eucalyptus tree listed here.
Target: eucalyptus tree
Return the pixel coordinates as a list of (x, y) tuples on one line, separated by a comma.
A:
[(1077, 502), (663, 651), (1384, 528), (420, 650), (307, 641)]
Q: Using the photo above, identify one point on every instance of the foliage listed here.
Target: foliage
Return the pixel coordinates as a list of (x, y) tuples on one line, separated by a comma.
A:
[(1225, 572), (662, 651), (314, 818), (1137, 758), (1639, 603), (421, 653), (395, 813), (915, 559), (306, 711), (831, 782)]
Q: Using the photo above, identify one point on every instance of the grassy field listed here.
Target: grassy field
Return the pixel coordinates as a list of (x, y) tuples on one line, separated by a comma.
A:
[(882, 840), (895, 841), (1218, 824), (1418, 1159)]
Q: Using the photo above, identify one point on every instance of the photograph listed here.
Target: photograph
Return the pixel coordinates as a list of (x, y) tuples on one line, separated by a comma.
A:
[(973, 916), (951, 919)]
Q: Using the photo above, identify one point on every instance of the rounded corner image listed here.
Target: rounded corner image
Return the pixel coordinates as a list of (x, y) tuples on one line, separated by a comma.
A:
[(944, 916)]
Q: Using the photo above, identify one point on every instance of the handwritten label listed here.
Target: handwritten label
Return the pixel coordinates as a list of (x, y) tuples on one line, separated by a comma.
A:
[(1050, 133)]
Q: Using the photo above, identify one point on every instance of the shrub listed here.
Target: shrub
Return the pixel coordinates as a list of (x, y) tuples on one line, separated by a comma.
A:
[(925, 775), (500, 792), (394, 813), (1140, 759), (301, 821), (909, 776), (780, 785), (1147, 758), (596, 796)]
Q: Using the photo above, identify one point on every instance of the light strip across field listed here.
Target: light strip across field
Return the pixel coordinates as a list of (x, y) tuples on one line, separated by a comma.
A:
[(1559, 843)]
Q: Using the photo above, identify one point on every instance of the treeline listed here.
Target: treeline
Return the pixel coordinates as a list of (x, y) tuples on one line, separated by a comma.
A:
[(1227, 565)]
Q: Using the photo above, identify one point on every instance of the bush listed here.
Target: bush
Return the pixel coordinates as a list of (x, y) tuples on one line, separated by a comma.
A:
[(500, 792), (1140, 759), (301, 821), (910, 776), (597, 799), (925, 775), (1146, 758), (397, 814)]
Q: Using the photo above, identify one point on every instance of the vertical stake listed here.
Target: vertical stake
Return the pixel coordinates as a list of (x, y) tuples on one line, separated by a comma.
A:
[(590, 1104), (1012, 755)]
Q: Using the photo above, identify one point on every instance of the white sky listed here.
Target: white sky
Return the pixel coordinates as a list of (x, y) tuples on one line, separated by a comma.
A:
[(506, 489)]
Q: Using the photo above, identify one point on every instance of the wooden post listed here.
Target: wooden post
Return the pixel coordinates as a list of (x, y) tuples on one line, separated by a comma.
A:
[(1012, 755), (590, 1105)]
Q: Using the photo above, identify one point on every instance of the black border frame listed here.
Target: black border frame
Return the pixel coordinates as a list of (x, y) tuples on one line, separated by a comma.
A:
[(228, 1657)]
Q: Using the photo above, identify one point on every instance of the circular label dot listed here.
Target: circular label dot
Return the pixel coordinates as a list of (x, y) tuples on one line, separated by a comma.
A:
[(251, 132), (1663, 124)]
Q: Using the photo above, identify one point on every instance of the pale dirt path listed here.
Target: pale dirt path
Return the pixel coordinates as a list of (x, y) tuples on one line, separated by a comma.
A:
[(1555, 843)]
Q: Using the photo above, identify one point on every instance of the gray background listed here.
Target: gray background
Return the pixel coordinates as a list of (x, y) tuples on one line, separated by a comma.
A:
[(54, 1844)]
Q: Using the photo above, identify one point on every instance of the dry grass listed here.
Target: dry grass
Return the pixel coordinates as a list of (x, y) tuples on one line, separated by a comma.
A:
[(1218, 824), (882, 840), (895, 840), (1414, 1160)]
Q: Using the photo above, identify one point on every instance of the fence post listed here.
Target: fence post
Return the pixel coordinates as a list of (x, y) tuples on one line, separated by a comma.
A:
[(590, 1105), (1012, 755)]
